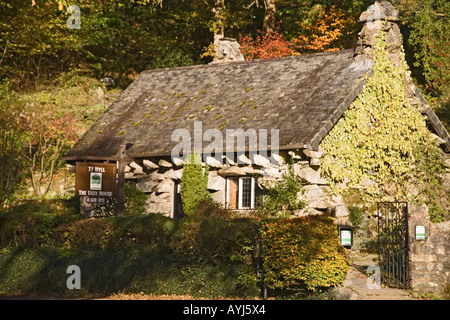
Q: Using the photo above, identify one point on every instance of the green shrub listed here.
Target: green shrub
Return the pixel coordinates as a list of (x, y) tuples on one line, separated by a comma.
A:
[(211, 234), (135, 199), (210, 208), (32, 225), (226, 241), (303, 253), (152, 230), (86, 233), (356, 216), (282, 199), (194, 185)]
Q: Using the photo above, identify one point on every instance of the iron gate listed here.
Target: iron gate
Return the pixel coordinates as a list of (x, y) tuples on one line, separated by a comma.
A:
[(393, 244)]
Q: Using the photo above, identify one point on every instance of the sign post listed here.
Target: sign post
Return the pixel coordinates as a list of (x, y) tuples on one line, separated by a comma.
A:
[(121, 181), (99, 181)]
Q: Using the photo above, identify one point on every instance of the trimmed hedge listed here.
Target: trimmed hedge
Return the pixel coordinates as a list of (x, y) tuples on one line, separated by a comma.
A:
[(303, 253)]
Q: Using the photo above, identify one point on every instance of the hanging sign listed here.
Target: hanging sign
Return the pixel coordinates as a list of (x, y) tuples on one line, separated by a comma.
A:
[(96, 181)]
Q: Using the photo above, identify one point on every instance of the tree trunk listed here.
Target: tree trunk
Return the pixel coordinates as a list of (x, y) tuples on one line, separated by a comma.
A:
[(269, 17)]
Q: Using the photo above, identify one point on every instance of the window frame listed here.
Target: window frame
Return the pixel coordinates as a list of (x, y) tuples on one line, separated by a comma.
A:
[(240, 182)]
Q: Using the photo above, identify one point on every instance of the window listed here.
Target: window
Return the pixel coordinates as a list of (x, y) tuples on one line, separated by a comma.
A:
[(242, 193)]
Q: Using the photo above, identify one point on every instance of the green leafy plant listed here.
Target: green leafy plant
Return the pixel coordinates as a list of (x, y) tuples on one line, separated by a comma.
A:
[(356, 215), (282, 199), (135, 200), (382, 145), (303, 253), (194, 184)]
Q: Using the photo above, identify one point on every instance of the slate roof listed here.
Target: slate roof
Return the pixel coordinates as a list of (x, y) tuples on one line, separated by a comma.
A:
[(301, 96)]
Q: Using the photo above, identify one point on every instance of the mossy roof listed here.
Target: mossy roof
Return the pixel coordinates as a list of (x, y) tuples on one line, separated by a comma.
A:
[(301, 96)]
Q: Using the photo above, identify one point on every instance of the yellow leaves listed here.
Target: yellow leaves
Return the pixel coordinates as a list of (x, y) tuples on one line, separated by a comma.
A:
[(329, 27), (375, 138)]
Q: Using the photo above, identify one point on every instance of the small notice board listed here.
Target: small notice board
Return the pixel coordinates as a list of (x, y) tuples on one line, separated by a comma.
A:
[(96, 181)]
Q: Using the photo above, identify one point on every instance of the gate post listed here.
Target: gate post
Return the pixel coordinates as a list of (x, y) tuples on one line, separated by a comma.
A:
[(421, 253)]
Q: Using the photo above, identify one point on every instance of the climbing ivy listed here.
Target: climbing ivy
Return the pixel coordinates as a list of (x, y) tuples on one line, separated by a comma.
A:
[(381, 145)]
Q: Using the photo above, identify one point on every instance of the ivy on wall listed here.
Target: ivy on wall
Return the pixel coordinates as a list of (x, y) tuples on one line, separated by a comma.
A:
[(381, 146)]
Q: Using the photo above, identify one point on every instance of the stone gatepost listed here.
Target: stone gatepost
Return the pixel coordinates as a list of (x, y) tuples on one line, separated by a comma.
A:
[(429, 254)]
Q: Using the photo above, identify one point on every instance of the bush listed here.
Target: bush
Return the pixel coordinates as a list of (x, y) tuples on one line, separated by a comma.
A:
[(220, 241), (212, 235), (153, 230), (194, 185), (86, 233), (33, 224), (208, 254), (211, 209), (135, 200), (208, 257), (356, 216), (282, 199), (303, 253)]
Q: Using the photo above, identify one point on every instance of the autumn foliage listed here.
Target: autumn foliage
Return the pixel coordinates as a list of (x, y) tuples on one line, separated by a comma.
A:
[(324, 34), (328, 32), (264, 46)]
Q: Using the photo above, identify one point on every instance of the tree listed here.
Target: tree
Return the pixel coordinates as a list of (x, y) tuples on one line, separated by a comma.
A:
[(194, 184), (329, 32), (11, 142), (48, 136), (264, 46), (35, 41), (428, 22), (269, 21)]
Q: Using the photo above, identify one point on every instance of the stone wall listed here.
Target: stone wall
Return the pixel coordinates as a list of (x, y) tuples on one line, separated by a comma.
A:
[(158, 177), (429, 258)]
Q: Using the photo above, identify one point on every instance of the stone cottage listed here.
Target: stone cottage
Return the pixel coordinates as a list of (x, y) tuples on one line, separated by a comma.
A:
[(288, 105)]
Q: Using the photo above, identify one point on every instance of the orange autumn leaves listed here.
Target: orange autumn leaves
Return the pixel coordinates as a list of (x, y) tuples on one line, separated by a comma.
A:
[(329, 32)]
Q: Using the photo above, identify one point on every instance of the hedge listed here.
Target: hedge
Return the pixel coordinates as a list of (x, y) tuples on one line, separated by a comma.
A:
[(303, 253), (209, 254)]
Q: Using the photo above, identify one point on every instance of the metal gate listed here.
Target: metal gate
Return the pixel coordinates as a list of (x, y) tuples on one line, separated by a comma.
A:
[(393, 244)]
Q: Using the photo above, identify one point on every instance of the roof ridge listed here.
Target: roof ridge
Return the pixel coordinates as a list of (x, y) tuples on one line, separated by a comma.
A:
[(214, 65)]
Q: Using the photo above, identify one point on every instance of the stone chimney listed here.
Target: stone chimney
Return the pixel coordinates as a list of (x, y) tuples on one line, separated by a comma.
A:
[(381, 16), (226, 50)]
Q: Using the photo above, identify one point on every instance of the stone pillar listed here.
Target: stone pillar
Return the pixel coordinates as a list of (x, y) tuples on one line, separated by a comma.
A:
[(429, 258)]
